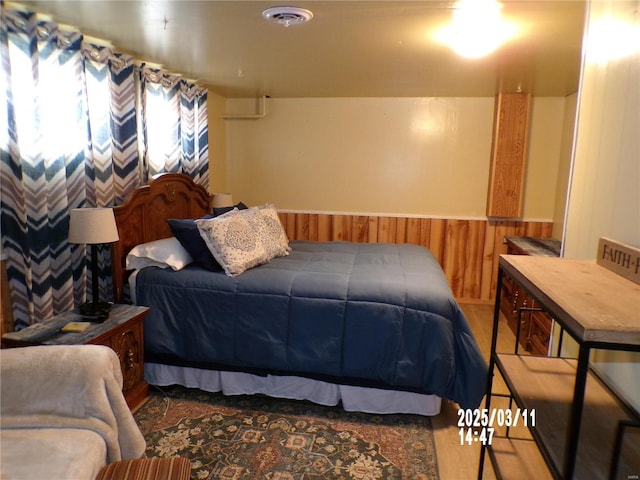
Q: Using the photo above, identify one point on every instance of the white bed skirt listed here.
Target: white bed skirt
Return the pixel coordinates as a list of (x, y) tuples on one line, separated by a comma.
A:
[(354, 399)]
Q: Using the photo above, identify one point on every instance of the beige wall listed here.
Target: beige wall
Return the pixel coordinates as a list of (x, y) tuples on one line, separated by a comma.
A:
[(411, 156), (605, 186), (564, 165), (217, 143), (546, 137)]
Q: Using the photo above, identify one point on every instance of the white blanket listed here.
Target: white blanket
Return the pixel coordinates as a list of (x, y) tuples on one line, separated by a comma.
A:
[(69, 387), (51, 454)]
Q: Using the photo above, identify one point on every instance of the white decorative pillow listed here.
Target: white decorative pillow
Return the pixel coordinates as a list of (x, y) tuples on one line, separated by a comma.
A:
[(165, 253), (272, 232), (234, 241)]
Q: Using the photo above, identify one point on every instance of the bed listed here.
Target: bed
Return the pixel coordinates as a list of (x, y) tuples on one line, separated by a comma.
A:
[(373, 326)]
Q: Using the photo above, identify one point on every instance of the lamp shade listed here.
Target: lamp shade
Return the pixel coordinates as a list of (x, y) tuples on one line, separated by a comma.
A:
[(92, 226), (222, 200)]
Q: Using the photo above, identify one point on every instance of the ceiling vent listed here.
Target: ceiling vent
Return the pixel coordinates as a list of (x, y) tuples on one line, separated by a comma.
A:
[(287, 16)]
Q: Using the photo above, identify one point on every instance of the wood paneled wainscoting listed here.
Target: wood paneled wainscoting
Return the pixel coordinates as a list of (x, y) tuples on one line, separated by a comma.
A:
[(467, 250)]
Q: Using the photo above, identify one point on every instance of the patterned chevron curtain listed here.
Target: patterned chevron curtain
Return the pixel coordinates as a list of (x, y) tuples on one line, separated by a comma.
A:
[(69, 138), (113, 168), (43, 155), (175, 125), (111, 91)]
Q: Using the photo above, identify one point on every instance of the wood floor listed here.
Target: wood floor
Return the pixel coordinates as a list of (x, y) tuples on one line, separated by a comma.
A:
[(455, 461)]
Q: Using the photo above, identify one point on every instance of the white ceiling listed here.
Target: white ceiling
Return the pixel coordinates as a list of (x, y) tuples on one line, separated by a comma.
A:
[(350, 48)]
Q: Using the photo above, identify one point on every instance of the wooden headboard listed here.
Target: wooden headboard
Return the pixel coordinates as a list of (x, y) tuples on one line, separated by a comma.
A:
[(143, 217)]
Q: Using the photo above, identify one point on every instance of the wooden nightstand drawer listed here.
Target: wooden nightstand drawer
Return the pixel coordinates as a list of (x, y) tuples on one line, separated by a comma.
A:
[(128, 342), (540, 332), (517, 305)]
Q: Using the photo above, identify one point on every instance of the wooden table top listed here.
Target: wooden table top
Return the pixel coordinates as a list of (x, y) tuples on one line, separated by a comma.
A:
[(592, 302)]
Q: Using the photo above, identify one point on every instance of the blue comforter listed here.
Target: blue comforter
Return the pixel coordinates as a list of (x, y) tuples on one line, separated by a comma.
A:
[(367, 314)]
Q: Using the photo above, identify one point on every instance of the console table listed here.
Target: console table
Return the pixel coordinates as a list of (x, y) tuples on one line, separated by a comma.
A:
[(583, 429)]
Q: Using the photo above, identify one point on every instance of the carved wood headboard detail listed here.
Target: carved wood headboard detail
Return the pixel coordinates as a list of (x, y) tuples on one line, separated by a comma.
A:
[(143, 217)]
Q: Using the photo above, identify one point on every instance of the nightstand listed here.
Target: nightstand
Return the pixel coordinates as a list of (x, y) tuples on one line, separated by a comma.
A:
[(122, 331), (518, 307)]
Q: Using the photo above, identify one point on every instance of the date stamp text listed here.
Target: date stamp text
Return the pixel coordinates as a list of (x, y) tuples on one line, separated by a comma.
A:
[(478, 425)]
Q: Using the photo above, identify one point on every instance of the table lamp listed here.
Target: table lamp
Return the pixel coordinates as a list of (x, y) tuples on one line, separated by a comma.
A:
[(93, 226), (221, 200)]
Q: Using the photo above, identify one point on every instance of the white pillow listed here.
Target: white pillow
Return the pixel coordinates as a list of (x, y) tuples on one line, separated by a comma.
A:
[(164, 253)]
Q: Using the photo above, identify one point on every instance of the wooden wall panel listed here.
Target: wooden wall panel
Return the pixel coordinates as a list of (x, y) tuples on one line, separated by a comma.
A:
[(472, 277), (467, 250), (508, 155), (489, 263), (324, 228)]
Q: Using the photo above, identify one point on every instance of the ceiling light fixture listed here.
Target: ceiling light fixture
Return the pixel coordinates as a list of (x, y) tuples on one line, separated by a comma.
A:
[(477, 28), (287, 16)]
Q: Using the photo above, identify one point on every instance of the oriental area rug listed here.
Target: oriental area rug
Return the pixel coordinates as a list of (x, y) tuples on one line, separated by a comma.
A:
[(257, 437)]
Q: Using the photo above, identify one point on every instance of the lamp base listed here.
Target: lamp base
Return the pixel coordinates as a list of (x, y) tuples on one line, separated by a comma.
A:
[(96, 312)]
